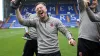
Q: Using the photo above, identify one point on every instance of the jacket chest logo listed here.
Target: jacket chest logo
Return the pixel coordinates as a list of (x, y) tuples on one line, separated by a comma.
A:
[(51, 24)]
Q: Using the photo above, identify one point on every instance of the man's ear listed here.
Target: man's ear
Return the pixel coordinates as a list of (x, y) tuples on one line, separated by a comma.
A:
[(46, 9)]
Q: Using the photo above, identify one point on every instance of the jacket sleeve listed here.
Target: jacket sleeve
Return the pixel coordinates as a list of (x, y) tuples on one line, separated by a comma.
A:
[(93, 17), (29, 22), (63, 29)]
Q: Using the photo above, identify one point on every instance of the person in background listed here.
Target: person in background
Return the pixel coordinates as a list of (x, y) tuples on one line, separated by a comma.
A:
[(88, 40), (30, 36)]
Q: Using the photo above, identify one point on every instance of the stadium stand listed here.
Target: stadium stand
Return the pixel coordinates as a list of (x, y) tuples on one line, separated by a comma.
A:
[(67, 13)]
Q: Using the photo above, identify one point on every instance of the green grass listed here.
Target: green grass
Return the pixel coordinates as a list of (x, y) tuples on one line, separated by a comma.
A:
[(11, 42)]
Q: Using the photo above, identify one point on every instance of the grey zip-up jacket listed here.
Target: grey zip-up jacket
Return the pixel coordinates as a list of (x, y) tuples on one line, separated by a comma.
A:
[(88, 30), (47, 32)]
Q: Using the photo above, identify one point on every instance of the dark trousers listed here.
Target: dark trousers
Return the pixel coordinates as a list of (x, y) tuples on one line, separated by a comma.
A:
[(51, 54), (30, 48), (88, 48)]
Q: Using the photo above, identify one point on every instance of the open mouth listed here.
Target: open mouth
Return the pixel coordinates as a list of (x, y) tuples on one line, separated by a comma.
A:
[(41, 12)]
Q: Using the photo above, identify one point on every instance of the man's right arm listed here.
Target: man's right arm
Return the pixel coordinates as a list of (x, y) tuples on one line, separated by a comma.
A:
[(25, 22), (19, 16)]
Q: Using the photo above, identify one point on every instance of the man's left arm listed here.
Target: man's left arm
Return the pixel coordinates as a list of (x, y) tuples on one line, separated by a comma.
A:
[(65, 32), (93, 17)]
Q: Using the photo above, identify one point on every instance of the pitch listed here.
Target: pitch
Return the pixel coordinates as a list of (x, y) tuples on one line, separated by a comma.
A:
[(11, 42)]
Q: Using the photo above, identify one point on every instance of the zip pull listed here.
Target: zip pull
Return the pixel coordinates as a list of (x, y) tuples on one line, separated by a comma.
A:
[(45, 25)]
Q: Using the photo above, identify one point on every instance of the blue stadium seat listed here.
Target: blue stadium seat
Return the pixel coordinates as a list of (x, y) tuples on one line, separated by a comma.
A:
[(65, 12)]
